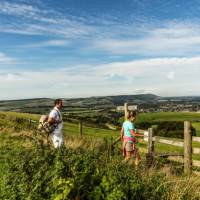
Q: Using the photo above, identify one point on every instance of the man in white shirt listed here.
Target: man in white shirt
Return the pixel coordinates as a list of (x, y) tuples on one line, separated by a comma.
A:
[(55, 117)]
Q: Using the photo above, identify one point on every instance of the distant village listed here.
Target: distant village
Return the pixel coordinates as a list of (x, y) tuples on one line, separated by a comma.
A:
[(164, 105)]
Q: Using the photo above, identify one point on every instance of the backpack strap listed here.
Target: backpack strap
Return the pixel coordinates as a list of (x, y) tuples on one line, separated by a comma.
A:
[(58, 113)]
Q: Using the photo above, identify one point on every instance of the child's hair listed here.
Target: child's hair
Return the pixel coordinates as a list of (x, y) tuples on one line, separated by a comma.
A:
[(131, 114)]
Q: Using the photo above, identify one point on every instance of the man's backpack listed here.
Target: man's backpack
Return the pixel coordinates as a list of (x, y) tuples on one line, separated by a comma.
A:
[(44, 126)]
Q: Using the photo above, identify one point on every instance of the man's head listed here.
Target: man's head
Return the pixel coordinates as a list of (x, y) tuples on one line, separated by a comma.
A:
[(58, 103)]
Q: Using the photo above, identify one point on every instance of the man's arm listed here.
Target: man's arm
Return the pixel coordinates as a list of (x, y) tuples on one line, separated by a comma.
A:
[(52, 120)]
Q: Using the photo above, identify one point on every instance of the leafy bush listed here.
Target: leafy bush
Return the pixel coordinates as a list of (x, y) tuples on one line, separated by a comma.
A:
[(22, 124), (144, 125), (43, 173), (174, 129)]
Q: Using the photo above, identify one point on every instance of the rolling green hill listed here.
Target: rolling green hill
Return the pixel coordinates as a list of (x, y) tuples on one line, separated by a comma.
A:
[(45, 104)]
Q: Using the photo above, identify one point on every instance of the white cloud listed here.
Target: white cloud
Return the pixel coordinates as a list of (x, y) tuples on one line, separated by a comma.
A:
[(171, 75), (171, 39), (27, 10), (4, 59), (145, 76), (17, 9), (49, 43), (12, 77), (148, 67), (34, 20)]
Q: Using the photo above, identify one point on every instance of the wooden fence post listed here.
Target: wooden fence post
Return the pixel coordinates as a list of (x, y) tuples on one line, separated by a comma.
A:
[(149, 155), (150, 140), (81, 129), (187, 148), (125, 110)]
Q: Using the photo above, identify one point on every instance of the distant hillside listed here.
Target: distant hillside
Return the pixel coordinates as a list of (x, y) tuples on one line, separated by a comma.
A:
[(44, 104), (119, 100)]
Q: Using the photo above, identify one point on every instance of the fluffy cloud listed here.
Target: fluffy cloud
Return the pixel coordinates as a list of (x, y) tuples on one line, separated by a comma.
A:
[(17, 9), (170, 39), (44, 21), (154, 66), (171, 75), (49, 43), (4, 59), (145, 76)]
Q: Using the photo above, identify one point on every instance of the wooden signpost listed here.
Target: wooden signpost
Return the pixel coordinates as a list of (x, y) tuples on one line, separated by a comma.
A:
[(125, 110)]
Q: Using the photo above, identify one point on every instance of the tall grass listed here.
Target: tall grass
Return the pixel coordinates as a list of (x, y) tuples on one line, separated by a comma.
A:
[(82, 173)]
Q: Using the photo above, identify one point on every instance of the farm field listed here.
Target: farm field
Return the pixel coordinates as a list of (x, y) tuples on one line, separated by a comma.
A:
[(169, 116)]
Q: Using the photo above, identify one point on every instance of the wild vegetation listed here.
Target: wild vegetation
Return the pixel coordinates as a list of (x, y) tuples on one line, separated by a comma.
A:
[(84, 169)]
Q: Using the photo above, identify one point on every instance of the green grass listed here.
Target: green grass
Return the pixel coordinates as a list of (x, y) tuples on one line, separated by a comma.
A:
[(164, 148), (9, 146), (168, 116), (13, 115), (72, 129), (196, 125)]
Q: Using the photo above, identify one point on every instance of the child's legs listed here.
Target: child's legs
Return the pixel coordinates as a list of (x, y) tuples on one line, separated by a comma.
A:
[(129, 154), (129, 150)]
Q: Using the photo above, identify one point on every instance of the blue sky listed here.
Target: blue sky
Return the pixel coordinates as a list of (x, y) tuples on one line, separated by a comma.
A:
[(80, 48)]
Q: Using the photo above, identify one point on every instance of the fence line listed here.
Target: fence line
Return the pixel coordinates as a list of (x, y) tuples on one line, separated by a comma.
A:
[(196, 139), (187, 144)]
